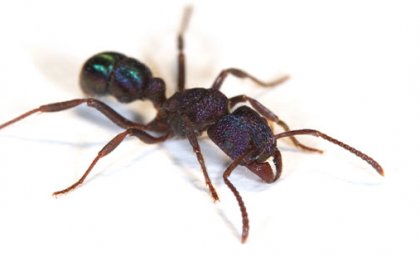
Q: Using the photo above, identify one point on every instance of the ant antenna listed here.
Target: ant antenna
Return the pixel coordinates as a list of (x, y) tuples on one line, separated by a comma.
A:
[(316, 133)]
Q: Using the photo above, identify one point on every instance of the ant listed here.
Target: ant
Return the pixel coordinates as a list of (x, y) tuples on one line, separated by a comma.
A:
[(242, 133)]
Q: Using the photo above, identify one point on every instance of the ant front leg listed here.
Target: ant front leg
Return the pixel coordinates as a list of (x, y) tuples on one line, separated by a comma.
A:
[(264, 111), (180, 45), (109, 147), (90, 102), (242, 74), (192, 138)]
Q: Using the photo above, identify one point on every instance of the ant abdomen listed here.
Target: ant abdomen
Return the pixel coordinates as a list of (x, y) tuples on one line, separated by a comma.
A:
[(97, 71), (123, 77)]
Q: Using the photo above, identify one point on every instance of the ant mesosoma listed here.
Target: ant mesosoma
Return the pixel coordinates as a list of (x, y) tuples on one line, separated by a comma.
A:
[(243, 134)]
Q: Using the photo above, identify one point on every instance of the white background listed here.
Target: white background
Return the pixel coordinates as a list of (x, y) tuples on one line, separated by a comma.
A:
[(355, 72)]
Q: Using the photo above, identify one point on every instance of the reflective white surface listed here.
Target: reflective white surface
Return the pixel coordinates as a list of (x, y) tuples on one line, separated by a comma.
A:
[(354, 70)]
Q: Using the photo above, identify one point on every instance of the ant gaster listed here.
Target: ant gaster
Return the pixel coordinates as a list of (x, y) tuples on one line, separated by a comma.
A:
[(243, 134)]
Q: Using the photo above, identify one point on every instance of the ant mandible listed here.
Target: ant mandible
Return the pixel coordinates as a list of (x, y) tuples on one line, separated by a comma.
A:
[(243, 134)]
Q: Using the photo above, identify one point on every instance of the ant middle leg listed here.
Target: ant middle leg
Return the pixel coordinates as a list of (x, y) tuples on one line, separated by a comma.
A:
[(264, 111), (242, 74), (109, 147), (90, 102)]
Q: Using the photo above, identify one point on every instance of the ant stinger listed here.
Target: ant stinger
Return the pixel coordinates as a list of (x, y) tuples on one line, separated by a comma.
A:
[(242, 133)]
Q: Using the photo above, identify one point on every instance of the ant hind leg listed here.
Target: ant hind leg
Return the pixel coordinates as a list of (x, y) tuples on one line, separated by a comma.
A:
[(180, 47), (90, 102)]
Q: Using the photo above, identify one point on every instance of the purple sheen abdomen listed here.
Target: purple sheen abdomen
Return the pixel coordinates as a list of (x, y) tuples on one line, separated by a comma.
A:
[(96, 72), (129, 80)]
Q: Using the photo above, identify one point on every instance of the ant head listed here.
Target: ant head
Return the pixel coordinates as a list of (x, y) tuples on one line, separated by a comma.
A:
[(125, 78)]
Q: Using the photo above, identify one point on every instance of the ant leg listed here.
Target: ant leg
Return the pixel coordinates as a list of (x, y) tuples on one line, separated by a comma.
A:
[(226, 174), (316, 133), (189, 131), (180, 45), (109, 147), (242, 74), (264, 111), (91, 102)]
